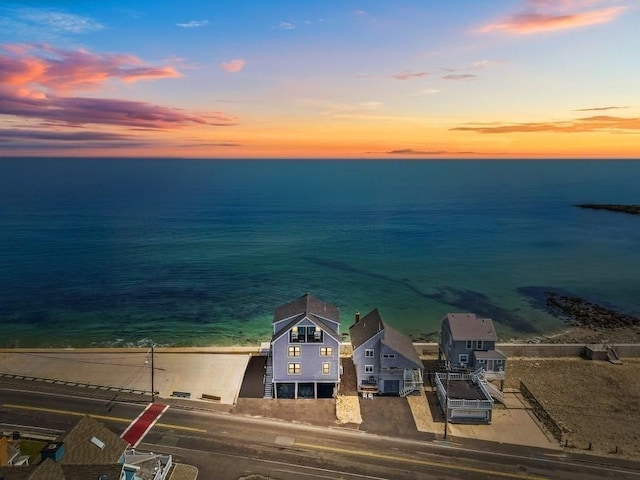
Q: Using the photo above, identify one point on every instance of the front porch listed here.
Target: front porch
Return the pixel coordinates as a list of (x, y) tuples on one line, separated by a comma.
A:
[(368, 385), (389, 384)]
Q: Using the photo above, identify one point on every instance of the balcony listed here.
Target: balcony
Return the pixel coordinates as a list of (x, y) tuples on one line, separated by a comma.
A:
[(370, 385)]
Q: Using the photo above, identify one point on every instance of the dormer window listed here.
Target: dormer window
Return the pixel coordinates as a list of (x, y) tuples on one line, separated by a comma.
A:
[(305, 334)]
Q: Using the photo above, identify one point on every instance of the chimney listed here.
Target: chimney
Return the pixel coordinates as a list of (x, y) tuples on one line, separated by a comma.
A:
[(357, 317)]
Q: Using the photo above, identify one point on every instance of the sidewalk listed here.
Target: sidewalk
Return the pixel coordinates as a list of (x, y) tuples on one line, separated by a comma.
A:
[(184, 472)]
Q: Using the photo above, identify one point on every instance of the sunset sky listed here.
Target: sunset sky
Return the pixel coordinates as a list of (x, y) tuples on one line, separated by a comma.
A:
[(325, 78)]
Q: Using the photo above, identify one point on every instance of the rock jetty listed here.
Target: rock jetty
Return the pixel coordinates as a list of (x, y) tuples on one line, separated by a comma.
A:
[(582, 313), (631, 209)]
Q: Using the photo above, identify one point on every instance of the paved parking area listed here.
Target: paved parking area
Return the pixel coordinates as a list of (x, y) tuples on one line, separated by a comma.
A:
[(216, 375)]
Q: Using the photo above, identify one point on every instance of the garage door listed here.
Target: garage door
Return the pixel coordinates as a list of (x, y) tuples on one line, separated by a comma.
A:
[(469, 414), (391, 386)]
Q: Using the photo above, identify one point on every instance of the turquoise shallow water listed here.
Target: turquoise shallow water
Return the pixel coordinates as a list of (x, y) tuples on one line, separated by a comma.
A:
[(200, 252)]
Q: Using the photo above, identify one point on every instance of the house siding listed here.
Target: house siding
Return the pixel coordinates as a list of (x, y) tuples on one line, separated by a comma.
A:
[(310, 360), (452, 349), (388, 372), (359, 359), (391, 376)]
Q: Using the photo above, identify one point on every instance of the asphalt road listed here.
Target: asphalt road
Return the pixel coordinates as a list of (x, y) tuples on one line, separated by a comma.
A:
[(225, 446)]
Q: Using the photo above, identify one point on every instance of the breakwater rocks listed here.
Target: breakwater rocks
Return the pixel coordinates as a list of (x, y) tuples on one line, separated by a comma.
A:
[(582, 313), (631, 209)]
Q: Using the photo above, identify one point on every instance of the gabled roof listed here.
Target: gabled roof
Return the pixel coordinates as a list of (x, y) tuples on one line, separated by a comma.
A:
[(365, 328), (466, 326), (307, 305), (401, 344), (78, 448), (47, 470), (17, 473), (50, 470), (372, 324), (320, 322)]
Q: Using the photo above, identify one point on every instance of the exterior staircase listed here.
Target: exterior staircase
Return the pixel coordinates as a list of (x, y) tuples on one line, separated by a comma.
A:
[(612, 356), (268, 377), (494, 391), (412, 382)]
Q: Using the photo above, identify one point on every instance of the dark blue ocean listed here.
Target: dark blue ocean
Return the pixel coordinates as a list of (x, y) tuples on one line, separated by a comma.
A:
[(112, 252)]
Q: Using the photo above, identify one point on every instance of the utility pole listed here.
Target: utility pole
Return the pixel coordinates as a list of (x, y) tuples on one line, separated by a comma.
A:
[(153, 389)]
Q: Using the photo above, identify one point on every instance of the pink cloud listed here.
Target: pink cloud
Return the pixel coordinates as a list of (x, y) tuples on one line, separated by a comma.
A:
[(409, 75), (81, 111), (35, 78), (461, 76), (233, 66), (545, 15), (57, 70)]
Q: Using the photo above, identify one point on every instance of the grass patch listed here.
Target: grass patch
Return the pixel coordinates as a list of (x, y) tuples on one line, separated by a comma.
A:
[(32, 448)]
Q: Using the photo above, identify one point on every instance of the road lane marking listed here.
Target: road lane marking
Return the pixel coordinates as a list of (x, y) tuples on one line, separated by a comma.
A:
[(99, 417), (428, 463), (156, 447)]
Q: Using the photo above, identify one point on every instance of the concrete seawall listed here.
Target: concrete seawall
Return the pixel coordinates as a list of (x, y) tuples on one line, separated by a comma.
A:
[(533, 350), (541, 350)]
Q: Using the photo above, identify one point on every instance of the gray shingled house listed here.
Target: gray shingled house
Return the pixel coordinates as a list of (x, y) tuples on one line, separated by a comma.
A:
[(304, 360), (469, 343), (386, 361), (91, 451)]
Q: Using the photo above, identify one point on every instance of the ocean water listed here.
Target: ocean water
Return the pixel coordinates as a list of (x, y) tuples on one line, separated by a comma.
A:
[(113, 252)]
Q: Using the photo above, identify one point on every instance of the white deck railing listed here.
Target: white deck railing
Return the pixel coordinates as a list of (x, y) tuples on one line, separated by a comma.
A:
[(459, 402)]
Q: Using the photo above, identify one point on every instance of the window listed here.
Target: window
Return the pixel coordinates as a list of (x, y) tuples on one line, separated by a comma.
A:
[(469, 344), (294, 351), (326, 368), (368, 369), (499, 362), (368, 353), (481, 360), (326, 351), (314, 334), (463, 358), (293, 369), (296, 334), (479, 345), (389, 355)]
